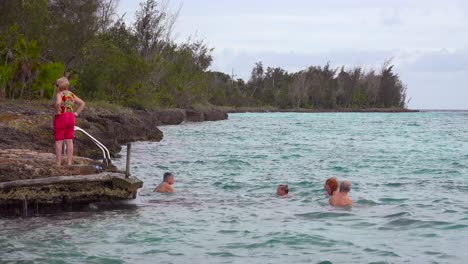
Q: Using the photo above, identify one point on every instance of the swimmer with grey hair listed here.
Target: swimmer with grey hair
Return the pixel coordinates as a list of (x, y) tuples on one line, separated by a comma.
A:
[(166, 185), (341, 199)]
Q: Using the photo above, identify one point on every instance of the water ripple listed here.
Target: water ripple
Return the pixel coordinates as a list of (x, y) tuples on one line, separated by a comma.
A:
[(409, 186)]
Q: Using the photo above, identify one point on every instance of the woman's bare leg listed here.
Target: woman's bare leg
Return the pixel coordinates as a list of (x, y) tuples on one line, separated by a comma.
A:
[(58, 152), (69, 143)]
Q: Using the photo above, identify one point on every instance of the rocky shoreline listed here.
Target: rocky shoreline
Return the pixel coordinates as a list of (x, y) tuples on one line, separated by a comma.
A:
[(28, 125), (31, 183)]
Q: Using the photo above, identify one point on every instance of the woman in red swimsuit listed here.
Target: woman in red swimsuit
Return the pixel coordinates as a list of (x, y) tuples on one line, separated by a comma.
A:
[(64, 120)]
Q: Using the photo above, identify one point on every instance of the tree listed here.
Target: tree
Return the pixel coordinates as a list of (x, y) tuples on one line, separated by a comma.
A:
[(25, 65), (391, 89), (47, 74), (73, 24), (149, 27)]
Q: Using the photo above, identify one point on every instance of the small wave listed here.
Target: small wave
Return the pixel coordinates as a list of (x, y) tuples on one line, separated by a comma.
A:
[(363, 225), (231, 220), (340, 169), (413, 124), (403, 222), (321, 215), (235, 162), (382, 253), (440, 200), (221, 254), (450, 211), (290, 240), (175, 254), (398, 215), (393, 184), (286, 157), (428, 171), (393, 200), (154, 251), (232, 187), (366, 202), (406, 222), (233, 231), (429, 235), (176, 201), (459, 165), (462, 188), (432, 253), (457, 226)]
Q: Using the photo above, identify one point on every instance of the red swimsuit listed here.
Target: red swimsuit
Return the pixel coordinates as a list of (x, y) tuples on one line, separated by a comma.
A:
[(64, 122)]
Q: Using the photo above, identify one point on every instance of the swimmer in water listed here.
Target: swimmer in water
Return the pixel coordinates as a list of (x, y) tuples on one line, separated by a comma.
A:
[(341, 199), (282, 190), (331, 186), (166, 185)]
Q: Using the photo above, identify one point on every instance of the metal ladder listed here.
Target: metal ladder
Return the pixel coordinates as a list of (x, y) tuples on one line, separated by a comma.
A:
[(105, 151)]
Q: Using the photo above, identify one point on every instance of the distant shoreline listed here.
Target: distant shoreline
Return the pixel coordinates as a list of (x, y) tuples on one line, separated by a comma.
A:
[(305, 110), (443, 110)]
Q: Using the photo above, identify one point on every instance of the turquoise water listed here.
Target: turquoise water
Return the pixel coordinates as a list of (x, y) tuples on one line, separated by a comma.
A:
[(409, 184)]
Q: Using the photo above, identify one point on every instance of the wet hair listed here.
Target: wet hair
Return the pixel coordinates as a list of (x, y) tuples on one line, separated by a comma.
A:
[(332, 183), (285, 188), (345, 186), (167, 175)]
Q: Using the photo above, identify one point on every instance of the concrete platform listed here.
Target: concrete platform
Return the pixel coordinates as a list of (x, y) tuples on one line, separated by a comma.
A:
[(52, 194)]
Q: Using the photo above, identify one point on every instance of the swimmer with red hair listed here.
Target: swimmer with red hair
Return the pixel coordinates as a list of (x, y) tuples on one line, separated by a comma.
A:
[(331, 186)]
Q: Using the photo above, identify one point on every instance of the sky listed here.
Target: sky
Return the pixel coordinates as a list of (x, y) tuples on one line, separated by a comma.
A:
[(426, 40)]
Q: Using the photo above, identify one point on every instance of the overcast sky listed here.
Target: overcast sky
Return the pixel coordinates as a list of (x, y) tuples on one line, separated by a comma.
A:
[(427, 40)]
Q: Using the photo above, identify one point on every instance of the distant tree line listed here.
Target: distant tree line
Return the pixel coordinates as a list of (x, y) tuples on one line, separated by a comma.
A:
[(316, 87), (141, 66)]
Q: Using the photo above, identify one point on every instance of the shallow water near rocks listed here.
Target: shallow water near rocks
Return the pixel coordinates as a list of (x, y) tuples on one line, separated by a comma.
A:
[(409, 184)]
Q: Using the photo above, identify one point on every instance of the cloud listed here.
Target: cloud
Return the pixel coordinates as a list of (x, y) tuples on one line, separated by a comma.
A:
[(440, 61), (437, 90), (243, 62), (435, 79), (425, 38)]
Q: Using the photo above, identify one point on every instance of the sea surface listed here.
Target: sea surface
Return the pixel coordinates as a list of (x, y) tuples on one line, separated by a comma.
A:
[(409, 175)]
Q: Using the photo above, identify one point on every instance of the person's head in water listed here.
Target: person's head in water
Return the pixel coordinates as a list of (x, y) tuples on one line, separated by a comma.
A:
[(341, 199), (282, 190), (345, 187), (331, 185), (168, 178)]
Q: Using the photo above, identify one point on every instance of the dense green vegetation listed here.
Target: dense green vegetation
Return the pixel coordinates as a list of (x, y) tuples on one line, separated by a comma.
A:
[(142, 67)]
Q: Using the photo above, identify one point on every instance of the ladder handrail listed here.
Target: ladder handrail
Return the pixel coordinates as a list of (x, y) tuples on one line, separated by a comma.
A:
[(99, 144)]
